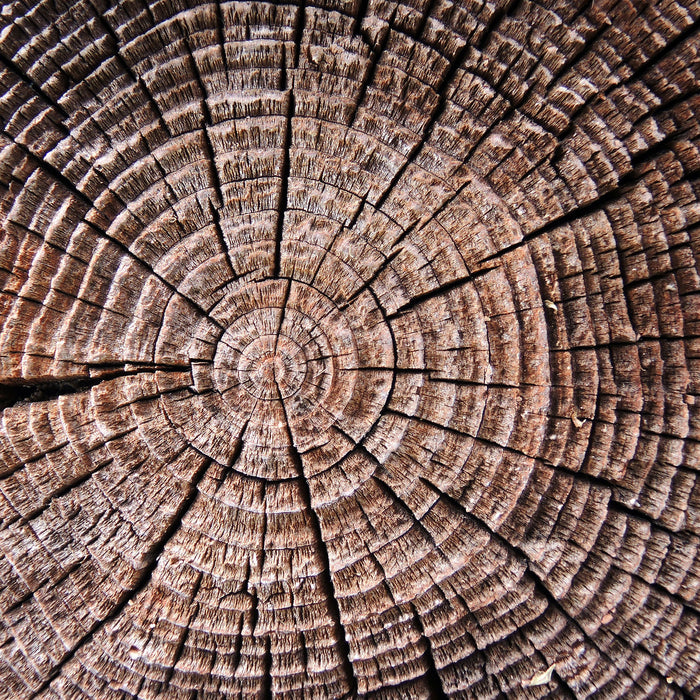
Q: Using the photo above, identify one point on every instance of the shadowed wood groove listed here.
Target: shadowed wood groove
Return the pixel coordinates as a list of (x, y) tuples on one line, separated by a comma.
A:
[(349, 350)]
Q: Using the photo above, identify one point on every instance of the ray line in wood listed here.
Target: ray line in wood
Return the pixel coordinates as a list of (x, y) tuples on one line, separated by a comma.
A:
[(636, 73), (284, 184), (540, 585), (439, 291), (440, 90), (376, 51), (183, 634), (30, 390), (325, 576), (266, 691), (392, 495), (361, 14), (12, 67), (370, 280), (141, 582), (615, 489), (128, 70), (299, 24), (220, 24), (72, 189), (514, 106), (432, 676), (209, 148)]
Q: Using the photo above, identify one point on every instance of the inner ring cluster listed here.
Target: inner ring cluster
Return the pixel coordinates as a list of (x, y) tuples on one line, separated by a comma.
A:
[(272, 367), (293, 367)]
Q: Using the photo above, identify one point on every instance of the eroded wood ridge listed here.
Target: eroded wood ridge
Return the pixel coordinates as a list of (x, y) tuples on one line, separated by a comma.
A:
[(349, 349)]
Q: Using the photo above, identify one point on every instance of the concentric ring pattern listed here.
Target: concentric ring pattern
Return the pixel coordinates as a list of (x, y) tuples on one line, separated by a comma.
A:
[(349, 349)]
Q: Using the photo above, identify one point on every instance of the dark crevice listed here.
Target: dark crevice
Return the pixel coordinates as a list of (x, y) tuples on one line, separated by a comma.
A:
[(299, 24), (325, 577), (635, 74), (345, 227), (238, 447), (163, 175), (24, 391), (616, 490), (13, 394), (539, 584), (284, 184), (21, 463), (220, 24), (283, 314), (236, 655), (184, 634), (216, 217), (303, 651), (263, 531), (361, 14), (498, 16), (663, 145), (266, 687), (377, 368), (441, 91), (639, 342), (29, 595), (514, 106), (80, 299), (211, 157), (143, 579), (356, 214), (432, 677), (12, 67), (66, 488), (425, 16), (486, 384), (597, 96), (439, 291), (326, 252), (20, 393), (366, 284), (370, 72), (594, 206), (128, 70), (60, 178), (391, 494)]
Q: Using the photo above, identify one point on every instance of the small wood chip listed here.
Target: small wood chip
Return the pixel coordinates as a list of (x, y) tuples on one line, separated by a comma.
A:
[(541, 678), (550, 304), (578, 422)]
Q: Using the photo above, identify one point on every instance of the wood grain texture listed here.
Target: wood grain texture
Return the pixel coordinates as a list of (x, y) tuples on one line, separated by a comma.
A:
[(349, 349)]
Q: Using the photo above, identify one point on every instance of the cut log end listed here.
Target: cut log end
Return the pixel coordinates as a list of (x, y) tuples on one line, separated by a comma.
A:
[(349, 349)]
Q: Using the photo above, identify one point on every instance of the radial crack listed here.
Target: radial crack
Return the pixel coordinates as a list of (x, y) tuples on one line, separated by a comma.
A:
[(325, 574), (432, 676), (60, 178), (284, 183), (440, 290), (12, 67), (144, 578), (539, 583)]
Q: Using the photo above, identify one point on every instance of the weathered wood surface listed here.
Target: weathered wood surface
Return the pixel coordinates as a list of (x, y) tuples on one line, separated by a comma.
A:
[(349, 348)]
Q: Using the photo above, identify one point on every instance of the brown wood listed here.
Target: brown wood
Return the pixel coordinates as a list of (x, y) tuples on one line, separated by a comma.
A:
[(349, 349)]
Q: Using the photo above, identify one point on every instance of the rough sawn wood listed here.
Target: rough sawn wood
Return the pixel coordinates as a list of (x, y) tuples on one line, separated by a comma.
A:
[(349, 349)]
